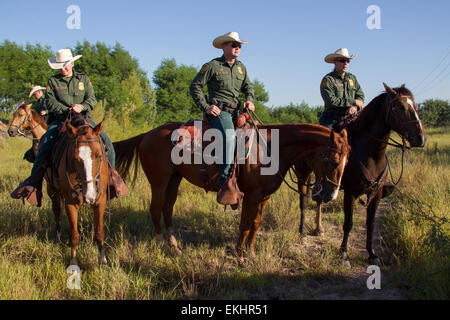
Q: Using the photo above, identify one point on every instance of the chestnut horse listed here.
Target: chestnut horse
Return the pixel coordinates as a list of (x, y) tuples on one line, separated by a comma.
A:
[(366, 172), (296, 142), (26, 119)]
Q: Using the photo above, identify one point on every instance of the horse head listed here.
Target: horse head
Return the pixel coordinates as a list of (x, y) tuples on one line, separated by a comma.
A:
[(89, 156), (21, 120), (329, 172), (402, 116)]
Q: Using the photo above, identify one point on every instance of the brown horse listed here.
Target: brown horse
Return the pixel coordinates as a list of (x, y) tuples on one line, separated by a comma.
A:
[(26, 119), (81, 177), (296, 142), (366, 172)]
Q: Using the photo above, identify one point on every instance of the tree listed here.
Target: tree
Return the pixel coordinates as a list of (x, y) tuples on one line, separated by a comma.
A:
[(435, 113), (173, 99), (20, 69)]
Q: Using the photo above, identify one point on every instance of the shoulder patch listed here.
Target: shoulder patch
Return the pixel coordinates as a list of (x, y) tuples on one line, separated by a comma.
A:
[(48, 87), (204, 68), (324, 83)]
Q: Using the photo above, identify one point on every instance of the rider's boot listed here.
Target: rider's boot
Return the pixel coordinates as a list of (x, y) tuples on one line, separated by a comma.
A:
[(31, 188)]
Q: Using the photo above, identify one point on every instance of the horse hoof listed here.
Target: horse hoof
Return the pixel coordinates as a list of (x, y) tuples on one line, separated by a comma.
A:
[(74, 262), (347, 264), (374, 261), (178, 252), (102, 261), (318, 232)]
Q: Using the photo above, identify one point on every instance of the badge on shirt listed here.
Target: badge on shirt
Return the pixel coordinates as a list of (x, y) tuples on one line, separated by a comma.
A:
[(240, 70), (324, 83), (81, 86), (351, 82)]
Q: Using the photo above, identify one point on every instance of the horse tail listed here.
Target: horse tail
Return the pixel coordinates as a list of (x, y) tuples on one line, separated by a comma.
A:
[(127, 152)]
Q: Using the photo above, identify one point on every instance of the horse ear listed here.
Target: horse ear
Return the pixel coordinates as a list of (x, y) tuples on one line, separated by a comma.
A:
[(389, 90), (99, 128), (71, 130), (403, 86), (28, 106), (333, 137), (344, 134)]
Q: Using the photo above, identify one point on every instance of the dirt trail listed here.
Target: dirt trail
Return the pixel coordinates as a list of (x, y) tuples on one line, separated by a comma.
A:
[(354, 285)]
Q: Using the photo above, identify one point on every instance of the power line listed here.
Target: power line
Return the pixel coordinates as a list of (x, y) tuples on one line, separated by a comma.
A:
[(434, 85), (448, 53)]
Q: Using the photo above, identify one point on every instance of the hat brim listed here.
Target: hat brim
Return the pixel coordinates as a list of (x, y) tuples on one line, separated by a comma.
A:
[(219, 41), (36, 89), (59, 65), (333, 56)]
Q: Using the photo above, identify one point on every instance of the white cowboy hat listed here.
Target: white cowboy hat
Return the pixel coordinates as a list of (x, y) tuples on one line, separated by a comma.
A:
[(340, 53), (63, 58), (227, 37), (36, 88)]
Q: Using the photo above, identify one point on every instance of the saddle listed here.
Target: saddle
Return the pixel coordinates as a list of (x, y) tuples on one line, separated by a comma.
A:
[(229, 193)]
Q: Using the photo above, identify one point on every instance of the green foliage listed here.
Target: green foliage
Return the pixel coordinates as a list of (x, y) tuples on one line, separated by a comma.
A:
[(20, 69), (435, 113), (173, 100), (295, 113)]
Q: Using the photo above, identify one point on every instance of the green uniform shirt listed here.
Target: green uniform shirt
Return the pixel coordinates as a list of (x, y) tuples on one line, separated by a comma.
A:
[(340, 92), (40, 105), (224, 83), (63, 93)]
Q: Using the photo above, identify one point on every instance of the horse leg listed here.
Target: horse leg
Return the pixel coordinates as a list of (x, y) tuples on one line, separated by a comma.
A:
[(156, 207), (99, 211), (370, 225), (255, 225), (171, 197), (349, 201), (320, 231), (249, 217), (56, 207), (303, 202), (72, 213)]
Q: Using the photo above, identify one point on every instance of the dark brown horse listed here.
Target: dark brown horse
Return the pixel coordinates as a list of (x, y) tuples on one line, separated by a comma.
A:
[(26, 120), (296, 142), (366, 172)]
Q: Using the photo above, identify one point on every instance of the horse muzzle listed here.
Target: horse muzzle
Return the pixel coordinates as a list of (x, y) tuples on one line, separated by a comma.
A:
[(13, 132)]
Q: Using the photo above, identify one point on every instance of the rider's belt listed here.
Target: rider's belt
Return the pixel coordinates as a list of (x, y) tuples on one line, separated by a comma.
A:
[(229, 107)]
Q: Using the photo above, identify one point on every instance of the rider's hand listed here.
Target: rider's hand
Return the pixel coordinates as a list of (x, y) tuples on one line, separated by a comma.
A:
[(43, 113), (353, 110), (213, 110), (249, 105), (77, 108), (359, 104)]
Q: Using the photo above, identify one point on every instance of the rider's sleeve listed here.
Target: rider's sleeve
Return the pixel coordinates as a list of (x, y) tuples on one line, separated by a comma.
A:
[(196, 88), (359, 95), (247, 88)]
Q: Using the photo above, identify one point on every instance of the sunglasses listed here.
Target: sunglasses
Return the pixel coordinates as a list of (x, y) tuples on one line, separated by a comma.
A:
[(343, 61), (236, 45)]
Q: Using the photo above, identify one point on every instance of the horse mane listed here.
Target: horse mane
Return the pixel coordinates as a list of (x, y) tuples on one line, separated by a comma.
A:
[(39, 119), (372, 107)]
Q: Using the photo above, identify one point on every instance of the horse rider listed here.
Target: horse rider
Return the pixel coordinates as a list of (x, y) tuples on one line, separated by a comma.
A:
[(343, 96), (40, 105), (340, 90), (226, 78), (66, 91)]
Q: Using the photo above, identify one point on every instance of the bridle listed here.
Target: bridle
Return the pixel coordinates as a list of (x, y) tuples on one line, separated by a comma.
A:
[(78, 188), (28, 118), (317, 186)]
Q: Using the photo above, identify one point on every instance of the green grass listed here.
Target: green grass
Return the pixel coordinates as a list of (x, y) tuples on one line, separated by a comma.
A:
[(286, 266)]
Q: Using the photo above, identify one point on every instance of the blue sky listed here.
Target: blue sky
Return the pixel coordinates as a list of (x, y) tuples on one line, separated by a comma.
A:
[(288, 40)]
